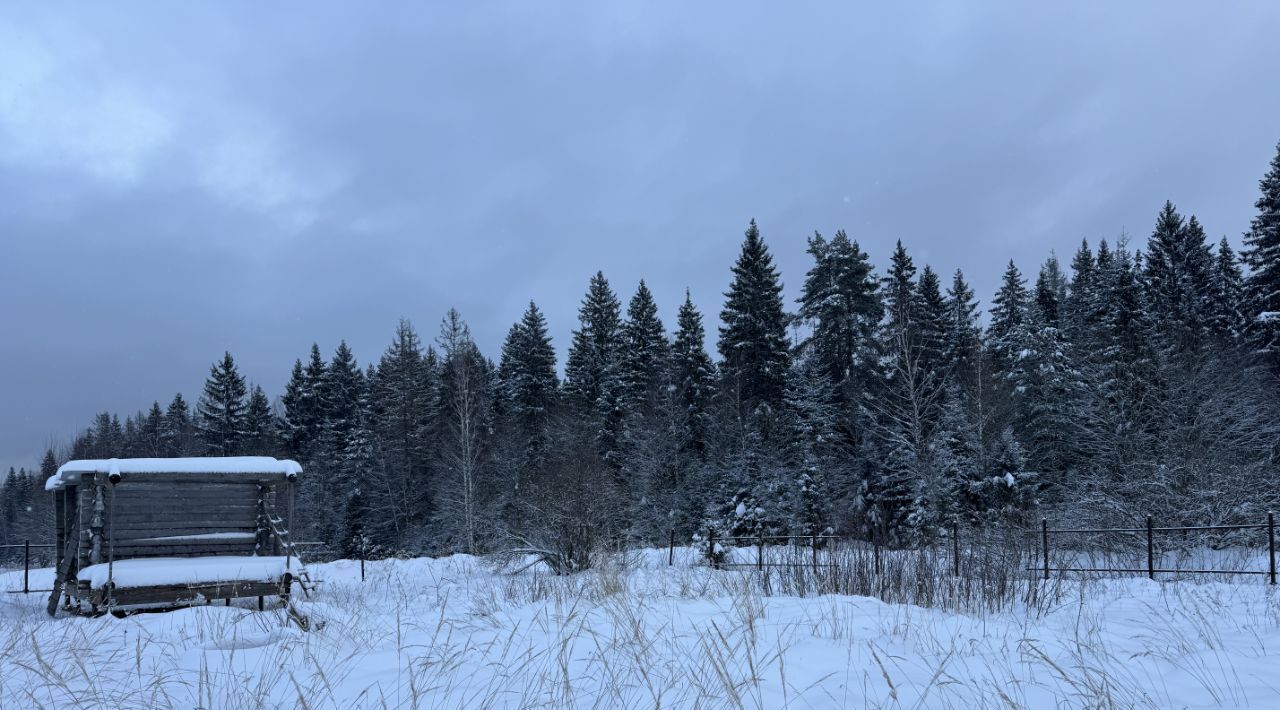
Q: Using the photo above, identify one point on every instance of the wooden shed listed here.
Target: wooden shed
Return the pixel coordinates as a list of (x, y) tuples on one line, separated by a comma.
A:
[(172, 531)]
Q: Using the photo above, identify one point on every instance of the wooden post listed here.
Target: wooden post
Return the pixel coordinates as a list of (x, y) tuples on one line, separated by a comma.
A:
[(1151, 549), (362, 556), (760, 552), (260, 606), (1044, 544), (671, 550), (96, 523), (262, 534), (814, 544), (1271, 543), (26, 567), (288, 550)]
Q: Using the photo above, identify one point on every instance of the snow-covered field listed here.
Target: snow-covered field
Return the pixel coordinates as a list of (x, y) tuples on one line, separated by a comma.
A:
[(456, 632)]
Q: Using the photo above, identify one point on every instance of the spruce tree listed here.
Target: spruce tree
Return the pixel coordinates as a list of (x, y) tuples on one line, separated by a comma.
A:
[(1051, 293), (930, 321), (1226, 295), (260, 437), (900, 291), (530, 387), (1124, 358), (693, 374), (9, 507), (151, 433), (593, 372), (962, 345), (401, 399), (1008, 316), (812, 421), (293, 428), (340, 392), (841, 303), (753, 334), (48, 466), (362, 525), (1079, 309), (1262, 285), (1177, 276), (645, 354), (179, 431), (220, 412), (107, 436)]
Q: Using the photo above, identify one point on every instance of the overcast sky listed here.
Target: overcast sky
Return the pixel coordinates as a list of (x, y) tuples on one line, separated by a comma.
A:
[(179, 179)]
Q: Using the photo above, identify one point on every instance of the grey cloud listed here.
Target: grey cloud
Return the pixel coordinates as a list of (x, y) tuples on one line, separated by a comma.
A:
[(179, 180)]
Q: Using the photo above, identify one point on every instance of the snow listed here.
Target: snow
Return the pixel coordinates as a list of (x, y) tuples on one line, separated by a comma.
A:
[(70, 471), (156, 571), (1269, 317), (456, 632)]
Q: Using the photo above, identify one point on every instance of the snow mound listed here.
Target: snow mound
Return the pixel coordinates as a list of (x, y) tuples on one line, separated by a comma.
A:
[(159, 571)]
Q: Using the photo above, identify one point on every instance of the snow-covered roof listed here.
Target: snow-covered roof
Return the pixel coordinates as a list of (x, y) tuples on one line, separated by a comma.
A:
[(71, 471)]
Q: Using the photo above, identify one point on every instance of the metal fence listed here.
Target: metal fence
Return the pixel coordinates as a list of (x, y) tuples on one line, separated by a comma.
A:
[(1150, 531), (25, 550), (33, 556), (822, 549)]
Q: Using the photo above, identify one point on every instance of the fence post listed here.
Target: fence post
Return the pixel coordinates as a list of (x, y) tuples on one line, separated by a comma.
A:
[(955, 547), (875, 551), (1044, 544), (711, 548), (362, 556), (671, 551), (760, 552), (814, 545), (26, 567), (1151, 549), (1271, 543)]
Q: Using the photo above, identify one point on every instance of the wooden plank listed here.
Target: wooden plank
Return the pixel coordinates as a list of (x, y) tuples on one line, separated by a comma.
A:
[(154, 484), (199, 478), (183, 510), (126, 527), (181, 593), (185, 518), (191, 550), (212, 542), (178, 494)]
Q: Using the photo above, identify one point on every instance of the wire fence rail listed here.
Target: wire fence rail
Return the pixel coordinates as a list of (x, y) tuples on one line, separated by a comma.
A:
[(822, 550), (26, 548), (1151, 530), (960, 546), (41, 560)]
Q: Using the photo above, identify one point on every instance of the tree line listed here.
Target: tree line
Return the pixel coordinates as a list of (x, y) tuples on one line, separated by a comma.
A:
[(1130, 382)]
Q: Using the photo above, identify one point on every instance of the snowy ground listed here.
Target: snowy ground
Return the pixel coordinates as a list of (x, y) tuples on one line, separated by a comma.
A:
[(455, 632)]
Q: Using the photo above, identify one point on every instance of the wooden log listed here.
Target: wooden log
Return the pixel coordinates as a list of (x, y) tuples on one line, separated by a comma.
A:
[(96, 523), (125, 527), (191, 550), (262, 541)]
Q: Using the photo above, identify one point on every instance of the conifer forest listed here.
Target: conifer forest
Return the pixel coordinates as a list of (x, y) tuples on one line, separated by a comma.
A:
[(1138, 376)]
